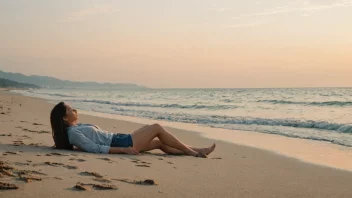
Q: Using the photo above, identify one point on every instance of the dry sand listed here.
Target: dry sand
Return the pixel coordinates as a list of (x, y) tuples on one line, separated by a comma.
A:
[(231, 171)]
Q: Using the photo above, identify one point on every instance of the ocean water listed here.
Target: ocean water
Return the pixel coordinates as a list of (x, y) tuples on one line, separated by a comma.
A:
[(321, 114)]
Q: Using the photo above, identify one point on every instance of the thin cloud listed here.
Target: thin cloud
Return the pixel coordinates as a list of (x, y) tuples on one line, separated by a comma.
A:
[(91, 11), (244, 25), (216, 8), (306, 6), (219, 9)]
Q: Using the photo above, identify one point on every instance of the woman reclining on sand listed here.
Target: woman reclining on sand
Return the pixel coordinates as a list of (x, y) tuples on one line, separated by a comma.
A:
[(67, 133)]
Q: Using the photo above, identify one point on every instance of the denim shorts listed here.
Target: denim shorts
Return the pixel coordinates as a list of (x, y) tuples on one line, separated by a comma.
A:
[(121, 140)]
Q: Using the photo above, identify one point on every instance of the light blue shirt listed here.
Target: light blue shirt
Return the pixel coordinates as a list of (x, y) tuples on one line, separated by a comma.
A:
[(90, 138)]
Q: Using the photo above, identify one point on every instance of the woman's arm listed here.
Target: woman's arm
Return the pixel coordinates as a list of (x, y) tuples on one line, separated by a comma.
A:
[(79, 140), (82, 142), (77, 148)]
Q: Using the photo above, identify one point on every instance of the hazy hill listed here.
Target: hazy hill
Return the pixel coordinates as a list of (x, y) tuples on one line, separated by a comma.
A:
[(12, 84), (50, 82)]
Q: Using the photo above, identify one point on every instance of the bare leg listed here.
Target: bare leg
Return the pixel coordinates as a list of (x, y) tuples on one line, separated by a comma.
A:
[(142, 138), (156, 144), (142, 128)]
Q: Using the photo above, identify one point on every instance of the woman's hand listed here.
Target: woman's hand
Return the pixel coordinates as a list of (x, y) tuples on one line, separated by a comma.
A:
[(130, 150)]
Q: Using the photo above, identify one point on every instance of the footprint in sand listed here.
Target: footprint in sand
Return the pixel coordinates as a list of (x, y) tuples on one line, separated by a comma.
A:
[(21, 164), (42, 131), (33, 131), (29, 179), (105, 159), (34, 144), (60, 164), (86, 173), (142, 162), (78, 160), (142, 165), (148, 182), (137, 161), (104, 186), (7, 186), (70, 167), (28, 130), (18, 143), (26, 172), (83, 186), (103, 180), (11, 153), (26, 175), (53, 163), (57, 154), (8, 173)]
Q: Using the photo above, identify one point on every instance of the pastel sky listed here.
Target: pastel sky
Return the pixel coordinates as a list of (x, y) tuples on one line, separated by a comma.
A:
[(181, 43)]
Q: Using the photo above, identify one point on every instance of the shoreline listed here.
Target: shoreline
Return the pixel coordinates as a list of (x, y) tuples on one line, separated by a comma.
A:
[(308, 151), (231, 171)]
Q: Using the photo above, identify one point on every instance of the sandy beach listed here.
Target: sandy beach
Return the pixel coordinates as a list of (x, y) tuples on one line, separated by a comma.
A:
[(29, 163)]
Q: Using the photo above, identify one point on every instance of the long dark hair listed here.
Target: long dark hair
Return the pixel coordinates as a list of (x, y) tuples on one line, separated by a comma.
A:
[(59, 127)]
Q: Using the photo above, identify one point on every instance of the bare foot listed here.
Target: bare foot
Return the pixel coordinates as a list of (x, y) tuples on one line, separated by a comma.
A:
[(201, 155), (208, 150)]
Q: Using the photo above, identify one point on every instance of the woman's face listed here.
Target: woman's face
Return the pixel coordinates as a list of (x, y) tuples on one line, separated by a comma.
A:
[(71, 114)]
